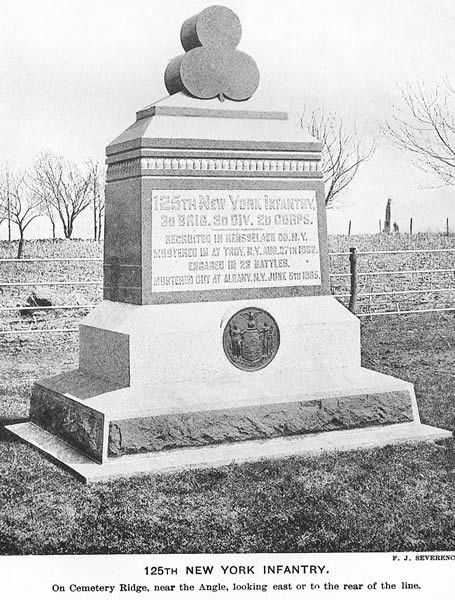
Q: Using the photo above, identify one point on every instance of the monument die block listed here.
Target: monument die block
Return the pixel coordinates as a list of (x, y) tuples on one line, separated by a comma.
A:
[(237, 219), (217, 327)]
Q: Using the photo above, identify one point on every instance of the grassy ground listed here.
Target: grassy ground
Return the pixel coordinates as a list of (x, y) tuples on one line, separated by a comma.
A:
[(393, 499)]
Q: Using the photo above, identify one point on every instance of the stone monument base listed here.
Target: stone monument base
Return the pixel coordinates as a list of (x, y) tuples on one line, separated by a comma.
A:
[(154, 391), (89, 471)]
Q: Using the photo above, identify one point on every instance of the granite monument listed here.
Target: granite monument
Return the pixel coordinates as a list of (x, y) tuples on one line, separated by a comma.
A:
[(218, 339)]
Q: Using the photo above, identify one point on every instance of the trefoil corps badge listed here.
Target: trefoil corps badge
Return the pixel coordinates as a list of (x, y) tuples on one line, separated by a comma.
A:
[(251, 339)]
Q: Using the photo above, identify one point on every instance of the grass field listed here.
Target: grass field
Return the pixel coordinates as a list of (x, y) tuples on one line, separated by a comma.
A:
[(398, 498)]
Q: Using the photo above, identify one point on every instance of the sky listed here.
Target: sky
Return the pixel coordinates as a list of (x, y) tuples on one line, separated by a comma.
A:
[(74, 73)]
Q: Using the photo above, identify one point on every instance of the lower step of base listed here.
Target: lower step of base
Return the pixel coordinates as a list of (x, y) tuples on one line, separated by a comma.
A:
[(221, 454)]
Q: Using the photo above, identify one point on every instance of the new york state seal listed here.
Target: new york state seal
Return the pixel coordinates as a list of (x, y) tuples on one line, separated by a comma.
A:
[(251, 339)]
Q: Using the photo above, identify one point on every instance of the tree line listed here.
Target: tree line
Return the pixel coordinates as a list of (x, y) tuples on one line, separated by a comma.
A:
[(55, 188), (423, 124)]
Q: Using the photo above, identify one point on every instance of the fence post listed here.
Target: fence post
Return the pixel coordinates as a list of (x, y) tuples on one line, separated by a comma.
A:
[(353, 269), (410, 226), (447, 226), (349, 228), (380, 226)]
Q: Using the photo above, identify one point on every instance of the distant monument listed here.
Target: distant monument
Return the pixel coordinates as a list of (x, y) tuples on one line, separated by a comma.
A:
[(218, 339), (388, 217)]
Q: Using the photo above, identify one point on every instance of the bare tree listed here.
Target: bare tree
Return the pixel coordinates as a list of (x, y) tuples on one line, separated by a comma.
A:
[(5, 197), (4, 193), (48, 211), (343, 151), (424, 124), (47, 208), (24, 205), (63, 187), (97, 172)]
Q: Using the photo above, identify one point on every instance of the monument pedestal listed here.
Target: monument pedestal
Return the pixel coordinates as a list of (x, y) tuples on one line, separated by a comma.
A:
[(160, 394)]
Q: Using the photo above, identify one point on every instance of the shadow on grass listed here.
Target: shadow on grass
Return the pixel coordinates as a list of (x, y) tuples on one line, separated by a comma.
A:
[(5, 435)]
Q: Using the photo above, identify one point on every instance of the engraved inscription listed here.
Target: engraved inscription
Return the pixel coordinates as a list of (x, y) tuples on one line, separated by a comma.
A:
[(228, 239)]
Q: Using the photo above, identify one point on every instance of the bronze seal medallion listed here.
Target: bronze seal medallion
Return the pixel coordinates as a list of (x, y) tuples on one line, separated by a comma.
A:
[(251, 339)]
